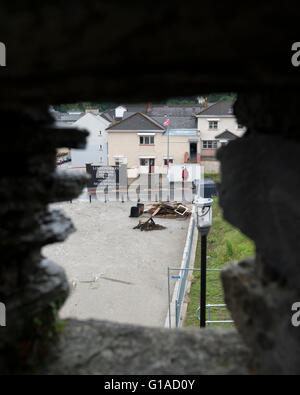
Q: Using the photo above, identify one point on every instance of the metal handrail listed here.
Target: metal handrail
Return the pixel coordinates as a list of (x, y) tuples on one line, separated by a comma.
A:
[(209, 321)]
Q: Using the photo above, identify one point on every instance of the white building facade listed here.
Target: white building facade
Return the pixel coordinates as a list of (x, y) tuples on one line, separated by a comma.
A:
[(217, 126), (96, 151)]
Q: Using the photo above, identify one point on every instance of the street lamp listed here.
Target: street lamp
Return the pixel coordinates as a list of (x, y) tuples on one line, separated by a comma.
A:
[(203, 217)]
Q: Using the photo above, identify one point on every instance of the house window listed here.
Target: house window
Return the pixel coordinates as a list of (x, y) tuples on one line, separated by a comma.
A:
[(146, 140), (144, 162), (100, 133), (210, 144), (213, 125), (119, 161), (100, 147), (166, 161)]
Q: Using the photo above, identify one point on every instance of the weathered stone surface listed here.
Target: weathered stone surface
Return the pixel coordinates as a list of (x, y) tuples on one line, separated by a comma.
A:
[(31, 287), (262, 312), (260, 197), (31, 314), (99, 347), (116, 52), (259, 194), (120, 53)]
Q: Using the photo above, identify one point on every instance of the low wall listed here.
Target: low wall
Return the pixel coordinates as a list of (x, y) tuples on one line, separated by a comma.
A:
[(211, 167)]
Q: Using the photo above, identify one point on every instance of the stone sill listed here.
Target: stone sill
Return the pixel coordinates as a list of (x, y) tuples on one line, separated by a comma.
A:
[(100, 347)]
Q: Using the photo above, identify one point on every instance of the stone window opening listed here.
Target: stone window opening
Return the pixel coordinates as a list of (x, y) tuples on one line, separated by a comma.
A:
[(263, 324)]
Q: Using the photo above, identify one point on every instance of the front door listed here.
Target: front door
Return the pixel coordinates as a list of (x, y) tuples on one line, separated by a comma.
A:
[(151, 165), (147, 166), (144, 166), (193, 152)]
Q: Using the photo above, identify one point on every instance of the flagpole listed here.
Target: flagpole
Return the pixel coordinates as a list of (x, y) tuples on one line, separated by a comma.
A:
[(168, 154)]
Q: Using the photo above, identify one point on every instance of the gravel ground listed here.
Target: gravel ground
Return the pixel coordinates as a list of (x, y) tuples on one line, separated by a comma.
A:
[(117, 273)]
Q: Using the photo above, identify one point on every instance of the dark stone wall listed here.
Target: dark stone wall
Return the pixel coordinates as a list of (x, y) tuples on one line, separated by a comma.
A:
[(32, 288), (116, 52), (260, 195), (111, 51)]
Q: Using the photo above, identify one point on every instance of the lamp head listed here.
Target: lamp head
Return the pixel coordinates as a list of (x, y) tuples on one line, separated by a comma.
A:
[(203, 215)]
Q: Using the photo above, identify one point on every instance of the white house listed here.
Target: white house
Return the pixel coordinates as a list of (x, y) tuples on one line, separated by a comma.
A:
[(217, 126), (96, 149)]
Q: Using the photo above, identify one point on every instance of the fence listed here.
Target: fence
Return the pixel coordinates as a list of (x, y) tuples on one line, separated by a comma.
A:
[(180, 288), (209, 321), (184, 276), (180, 292)]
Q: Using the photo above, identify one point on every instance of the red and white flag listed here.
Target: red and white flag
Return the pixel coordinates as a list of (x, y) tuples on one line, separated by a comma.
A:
[(167, 122)]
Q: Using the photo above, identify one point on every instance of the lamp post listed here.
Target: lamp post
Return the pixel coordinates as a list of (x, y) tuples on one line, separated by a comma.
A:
[(167, 123), (203, 214)]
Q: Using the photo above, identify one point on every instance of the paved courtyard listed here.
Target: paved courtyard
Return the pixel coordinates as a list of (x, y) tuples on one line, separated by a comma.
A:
[(117, 273)]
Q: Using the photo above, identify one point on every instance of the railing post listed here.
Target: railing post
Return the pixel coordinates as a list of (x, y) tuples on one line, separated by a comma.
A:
[(203, 283), (208, 315)]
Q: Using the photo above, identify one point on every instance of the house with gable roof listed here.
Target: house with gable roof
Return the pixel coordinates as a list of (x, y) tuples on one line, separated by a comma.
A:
[(141, 141), (217, 126), (95, 151)]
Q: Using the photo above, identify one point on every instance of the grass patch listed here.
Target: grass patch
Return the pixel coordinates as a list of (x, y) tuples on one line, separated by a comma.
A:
[(225, 245)]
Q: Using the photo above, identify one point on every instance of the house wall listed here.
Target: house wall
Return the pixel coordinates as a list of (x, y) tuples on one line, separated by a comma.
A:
[(208, 152), (127, 144), (211, 167), (225, 123), (92, 153), (229, 123)]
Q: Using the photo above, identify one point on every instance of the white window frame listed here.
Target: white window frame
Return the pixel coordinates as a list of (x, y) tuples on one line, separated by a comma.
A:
[(144, 139), (206, 143), (215, 122)]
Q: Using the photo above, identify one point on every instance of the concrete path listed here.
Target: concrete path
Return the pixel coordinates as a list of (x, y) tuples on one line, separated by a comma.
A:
[(117, 273)]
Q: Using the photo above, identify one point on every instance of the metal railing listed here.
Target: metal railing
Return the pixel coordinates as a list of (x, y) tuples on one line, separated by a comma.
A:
[(184, 272), (209, 321), (182, 277)]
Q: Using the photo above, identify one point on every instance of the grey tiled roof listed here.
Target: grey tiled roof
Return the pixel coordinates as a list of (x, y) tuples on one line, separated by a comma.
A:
[(66, 117), (181, 116), (173, 111), (137, 121), (221, 108), (133, 108), (108, 115), (226, 135), (187, 122)]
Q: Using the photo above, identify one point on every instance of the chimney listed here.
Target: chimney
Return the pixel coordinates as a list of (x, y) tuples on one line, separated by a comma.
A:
[(148, 107)]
